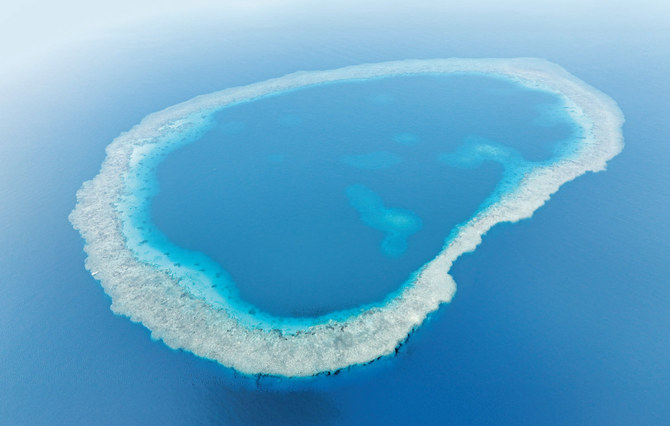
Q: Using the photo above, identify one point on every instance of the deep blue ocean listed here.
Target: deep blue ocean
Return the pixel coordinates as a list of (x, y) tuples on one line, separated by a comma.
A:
[(559, 319)]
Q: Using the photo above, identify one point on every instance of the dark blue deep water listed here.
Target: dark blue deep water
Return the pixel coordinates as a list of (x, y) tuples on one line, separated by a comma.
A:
[(558, 319)]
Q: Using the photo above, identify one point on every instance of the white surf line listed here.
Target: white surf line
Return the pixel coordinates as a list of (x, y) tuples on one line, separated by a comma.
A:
[(184, 320)]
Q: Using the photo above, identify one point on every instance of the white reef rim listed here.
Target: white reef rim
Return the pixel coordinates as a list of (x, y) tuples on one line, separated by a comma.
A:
[(186, 320)]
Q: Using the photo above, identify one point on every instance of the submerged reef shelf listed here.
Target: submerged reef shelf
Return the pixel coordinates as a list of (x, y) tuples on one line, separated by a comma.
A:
[(176, 303)]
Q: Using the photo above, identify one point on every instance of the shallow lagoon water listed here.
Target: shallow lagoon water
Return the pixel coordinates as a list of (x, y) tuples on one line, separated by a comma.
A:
[(286, 231)]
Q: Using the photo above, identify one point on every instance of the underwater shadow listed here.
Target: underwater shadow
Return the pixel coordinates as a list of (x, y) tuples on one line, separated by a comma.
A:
[(240, 405)]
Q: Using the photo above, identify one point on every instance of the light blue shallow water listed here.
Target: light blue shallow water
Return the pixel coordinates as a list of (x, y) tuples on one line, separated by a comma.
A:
[(558, 319)]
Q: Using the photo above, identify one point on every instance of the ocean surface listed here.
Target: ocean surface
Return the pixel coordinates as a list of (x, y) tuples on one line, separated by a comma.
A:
[(558, 319)]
